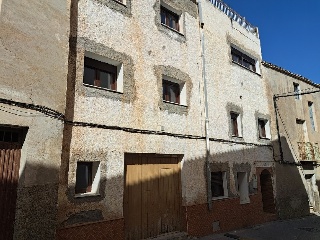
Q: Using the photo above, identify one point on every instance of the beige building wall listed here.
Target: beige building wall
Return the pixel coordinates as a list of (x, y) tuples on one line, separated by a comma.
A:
[(294, 126), (33, 70)]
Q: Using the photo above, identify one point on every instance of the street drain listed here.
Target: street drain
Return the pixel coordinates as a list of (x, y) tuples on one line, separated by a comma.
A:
[(310, 229), (229, 235)]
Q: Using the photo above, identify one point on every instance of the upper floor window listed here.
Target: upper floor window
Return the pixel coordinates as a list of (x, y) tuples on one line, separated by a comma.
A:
[(169, 18), (171, 91), (296, 89), (243, 59), (312, 116), (234, 117), (263, 129), (99, 74)]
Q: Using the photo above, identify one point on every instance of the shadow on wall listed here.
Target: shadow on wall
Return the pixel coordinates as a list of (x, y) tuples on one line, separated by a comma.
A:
[(82, 218), (36, 208), (241, 208), (292, 197)]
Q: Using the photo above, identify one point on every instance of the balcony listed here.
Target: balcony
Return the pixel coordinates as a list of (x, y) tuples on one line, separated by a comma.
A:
[(219, 4), (309, 151)]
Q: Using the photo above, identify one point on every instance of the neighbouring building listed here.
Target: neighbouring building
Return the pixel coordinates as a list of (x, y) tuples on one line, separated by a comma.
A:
[(33, 71), (149, 84), (294, 102)]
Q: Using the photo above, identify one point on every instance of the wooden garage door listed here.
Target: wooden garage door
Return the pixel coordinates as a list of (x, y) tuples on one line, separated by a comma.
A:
[(10, 151), (152, 198)]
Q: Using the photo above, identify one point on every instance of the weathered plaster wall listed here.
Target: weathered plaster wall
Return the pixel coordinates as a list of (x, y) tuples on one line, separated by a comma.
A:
[(146, 54), (33, 69), (153, 50), (290, 178), (234, 88)]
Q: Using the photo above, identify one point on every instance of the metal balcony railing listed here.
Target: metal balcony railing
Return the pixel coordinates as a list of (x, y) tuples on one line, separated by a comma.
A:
[(309, 151), (219, 4)]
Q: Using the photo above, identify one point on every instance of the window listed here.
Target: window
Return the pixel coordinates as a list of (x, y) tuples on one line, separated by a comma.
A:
[(243, 187), (169, 18), (296, 89), (312, 119), (9, 136), (219, 184), (234, 124), (84, 177), (301, 131), (87, 177), (263, 129), (243, 59), (99, 74), (171, 91)]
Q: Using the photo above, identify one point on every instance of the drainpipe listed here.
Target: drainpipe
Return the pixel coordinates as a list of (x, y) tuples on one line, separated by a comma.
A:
[(207, 164)]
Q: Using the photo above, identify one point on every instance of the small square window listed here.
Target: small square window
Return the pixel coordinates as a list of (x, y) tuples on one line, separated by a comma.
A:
[(219, 184), (171, 91), (87, 177), (99, 74), (169, 18), (234, 124)]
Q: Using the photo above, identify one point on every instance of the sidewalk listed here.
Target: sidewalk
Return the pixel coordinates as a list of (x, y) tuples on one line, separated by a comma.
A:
[(307, 228)]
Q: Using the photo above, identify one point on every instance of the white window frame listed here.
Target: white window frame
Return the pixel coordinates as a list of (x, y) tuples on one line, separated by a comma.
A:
[(182, 89), (96, 177), (119, 66), (177, 12), (267, 128), (239, 124), (225, 186)]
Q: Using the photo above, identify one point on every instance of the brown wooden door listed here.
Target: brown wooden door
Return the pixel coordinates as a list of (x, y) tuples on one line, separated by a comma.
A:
[(267, 192), (9, 174), (152, 198)]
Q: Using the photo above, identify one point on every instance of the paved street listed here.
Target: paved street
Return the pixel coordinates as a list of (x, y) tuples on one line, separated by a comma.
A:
[(307, 228)]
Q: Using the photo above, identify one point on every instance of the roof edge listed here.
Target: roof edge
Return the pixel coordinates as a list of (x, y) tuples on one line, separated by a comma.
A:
[(288, 73)]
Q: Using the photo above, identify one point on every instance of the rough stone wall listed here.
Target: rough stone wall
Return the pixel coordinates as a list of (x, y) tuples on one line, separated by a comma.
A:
[(146, 54), (33, 69), (291, 178), (149, 50)]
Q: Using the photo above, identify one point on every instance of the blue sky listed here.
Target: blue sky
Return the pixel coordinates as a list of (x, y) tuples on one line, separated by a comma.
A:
[(289, 32)]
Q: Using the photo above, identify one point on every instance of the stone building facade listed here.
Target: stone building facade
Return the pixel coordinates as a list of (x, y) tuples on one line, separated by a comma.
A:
[(33, 69), (295, 107), (124, 119), (135, 163)]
